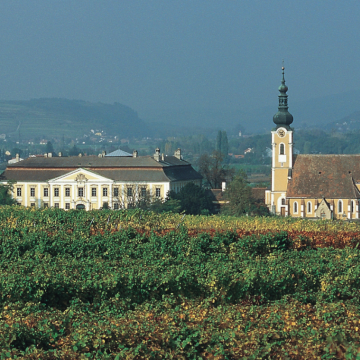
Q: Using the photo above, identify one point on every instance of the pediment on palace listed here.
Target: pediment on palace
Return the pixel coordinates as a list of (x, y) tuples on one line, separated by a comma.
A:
[(80, 176)]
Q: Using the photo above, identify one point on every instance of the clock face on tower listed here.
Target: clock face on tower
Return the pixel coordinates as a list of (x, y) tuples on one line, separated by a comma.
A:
[(281, 132)]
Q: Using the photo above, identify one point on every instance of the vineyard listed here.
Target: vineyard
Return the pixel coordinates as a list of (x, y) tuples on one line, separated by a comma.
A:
[(138, 285)]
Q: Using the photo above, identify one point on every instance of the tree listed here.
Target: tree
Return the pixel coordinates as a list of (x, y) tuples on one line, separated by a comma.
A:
[(238, 196), (193, 199), (169, 205), (218, 141), (74, 151), (224, 145), (5, 195), (213, 170), (49, 148), (16, 151)]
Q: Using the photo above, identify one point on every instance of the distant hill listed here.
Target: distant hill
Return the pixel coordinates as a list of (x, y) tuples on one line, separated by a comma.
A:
[(347, 123), (57, 117), (320, 112)]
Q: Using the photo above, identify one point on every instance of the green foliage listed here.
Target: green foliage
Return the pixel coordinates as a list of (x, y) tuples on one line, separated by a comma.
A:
[(193, 199), (169, 205), (222, 144), (5, 195), (238, 196)]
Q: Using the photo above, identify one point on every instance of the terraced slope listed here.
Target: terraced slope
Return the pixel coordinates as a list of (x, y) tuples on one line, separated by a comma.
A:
[(57, 117)]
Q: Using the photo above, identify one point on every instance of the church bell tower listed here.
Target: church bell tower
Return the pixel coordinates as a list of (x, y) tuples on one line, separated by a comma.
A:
[(282, 153)]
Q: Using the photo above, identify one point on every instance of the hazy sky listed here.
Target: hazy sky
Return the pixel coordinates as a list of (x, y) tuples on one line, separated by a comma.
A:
[(178, 54)]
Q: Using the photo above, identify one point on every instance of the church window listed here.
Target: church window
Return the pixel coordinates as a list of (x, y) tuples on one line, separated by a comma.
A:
[(18, 191), (340, 206), (295, 207), (309, 207), (32, 192), (282, 149), (46, 192), (105, 192), (93, 191), (67, 191), (283, 201), (116, 191), (56, 192), (80, 192)]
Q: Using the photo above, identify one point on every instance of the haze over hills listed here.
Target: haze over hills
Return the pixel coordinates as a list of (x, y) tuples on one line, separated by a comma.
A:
[(320, 112), (73, 118), (57, 117)]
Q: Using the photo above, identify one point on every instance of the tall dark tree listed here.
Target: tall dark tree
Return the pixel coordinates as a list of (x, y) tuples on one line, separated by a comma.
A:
[(218, 141), (49, 147), (74, 151), (224, 144), (193, 199)]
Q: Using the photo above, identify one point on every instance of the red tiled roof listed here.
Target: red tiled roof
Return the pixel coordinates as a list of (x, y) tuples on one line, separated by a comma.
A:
[(328, 176)]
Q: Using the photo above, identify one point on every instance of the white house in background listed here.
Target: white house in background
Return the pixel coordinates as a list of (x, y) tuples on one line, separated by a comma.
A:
[(88, 182)]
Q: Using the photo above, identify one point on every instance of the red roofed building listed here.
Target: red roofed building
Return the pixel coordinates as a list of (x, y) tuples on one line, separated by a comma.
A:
[(309, 186)]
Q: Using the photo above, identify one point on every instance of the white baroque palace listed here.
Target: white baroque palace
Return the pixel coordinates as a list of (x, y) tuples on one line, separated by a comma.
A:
[(117, 180)]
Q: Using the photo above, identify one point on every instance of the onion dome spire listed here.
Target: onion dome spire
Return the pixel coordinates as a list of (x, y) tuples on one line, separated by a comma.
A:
[(283, 117)]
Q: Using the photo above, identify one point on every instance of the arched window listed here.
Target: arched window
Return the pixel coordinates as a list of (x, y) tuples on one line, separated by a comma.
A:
[(283, 202), (309, 207), (295, 207), (282, 149), (340, 206)]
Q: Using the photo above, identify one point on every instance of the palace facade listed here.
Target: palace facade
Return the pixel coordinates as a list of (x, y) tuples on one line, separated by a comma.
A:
[(309, 186), (117, 181)]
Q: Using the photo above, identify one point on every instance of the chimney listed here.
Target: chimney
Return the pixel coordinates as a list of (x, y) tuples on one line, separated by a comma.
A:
[(17, 157), (157, 154), (80, 155), (223, 186), (177, 154), (50, 154), (103, 153), (162, 157), (135, 154), (45, 155), (60, 154)]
